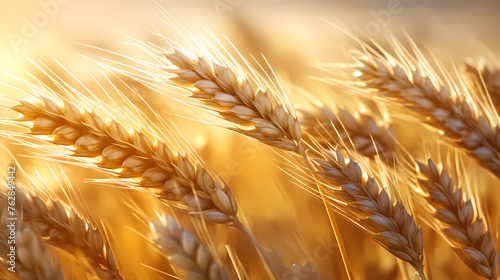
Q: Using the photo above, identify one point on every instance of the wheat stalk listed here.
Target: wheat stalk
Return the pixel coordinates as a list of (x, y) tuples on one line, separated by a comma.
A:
[(460, 221), (190, 258), (34, 260), (446, 109), (186, 185), (366, 136), (235, 99), (370, 207), (405, 239), (61, 227)]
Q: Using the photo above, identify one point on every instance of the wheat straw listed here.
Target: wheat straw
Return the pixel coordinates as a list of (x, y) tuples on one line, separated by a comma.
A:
[(459, 220), (184, 184), (190, 258)]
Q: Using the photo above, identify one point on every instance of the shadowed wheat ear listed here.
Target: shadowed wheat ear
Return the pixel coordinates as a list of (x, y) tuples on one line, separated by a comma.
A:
[(459, 220), (451, 110), (236, 100), (358, 130), (61, 227), (182, 183), (190, 258), (33, 259), (481, 75), (363, 201)]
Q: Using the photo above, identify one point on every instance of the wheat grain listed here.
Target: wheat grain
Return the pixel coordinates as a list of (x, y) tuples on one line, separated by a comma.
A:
[(439, 105), (366, 136), (186, 185), (231, 95), (460, 221), (190, 258)]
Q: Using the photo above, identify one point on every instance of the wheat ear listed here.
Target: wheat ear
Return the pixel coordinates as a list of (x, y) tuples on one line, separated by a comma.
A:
[(438, 105), (480, 75), (184, 184), (405, 241), (371, 208), (366, 136), (34, 260), (235, 99), (61, 227), (459, 220), (190, 258)]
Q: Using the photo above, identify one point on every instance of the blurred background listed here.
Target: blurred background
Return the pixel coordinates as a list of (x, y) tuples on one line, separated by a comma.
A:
[(293, 36)]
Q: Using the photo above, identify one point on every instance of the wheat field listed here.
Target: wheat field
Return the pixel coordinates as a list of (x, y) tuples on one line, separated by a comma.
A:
[(238, 139)]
